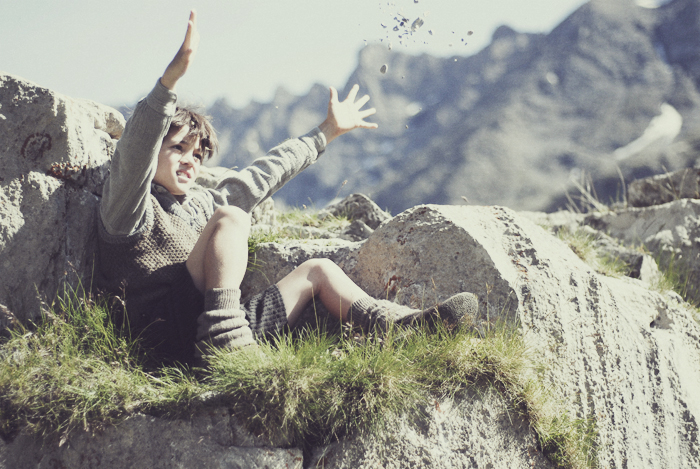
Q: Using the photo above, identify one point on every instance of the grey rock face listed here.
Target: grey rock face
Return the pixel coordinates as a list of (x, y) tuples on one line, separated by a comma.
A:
[(211, 439), (671, 231), (53, 159), (475, 430), (358, 207), (664, 188)]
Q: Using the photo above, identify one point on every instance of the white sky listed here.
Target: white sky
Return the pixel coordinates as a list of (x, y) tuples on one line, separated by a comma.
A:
[(113, 51)]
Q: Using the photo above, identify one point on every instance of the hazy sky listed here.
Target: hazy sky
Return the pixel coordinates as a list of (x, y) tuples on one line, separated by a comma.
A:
[(113, 51)]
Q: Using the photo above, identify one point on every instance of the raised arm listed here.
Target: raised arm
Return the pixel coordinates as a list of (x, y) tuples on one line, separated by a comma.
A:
[(267, 174), (126, 191), (184, 57)]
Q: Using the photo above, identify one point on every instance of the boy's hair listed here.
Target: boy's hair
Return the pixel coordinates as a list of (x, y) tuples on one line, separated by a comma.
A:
[(200, 126)]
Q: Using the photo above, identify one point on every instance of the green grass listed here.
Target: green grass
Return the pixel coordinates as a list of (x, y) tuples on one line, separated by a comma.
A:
[(583, 245), (311, 218), (77, 370), (677, 277)]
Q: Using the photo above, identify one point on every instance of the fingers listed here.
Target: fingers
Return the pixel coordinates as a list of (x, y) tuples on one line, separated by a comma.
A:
[(334, 95), (353, 93), (192, 36), (362, 101), (182, 60), (367, 113)]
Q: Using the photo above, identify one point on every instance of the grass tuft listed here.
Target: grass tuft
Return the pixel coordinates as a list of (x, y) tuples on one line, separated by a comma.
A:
[(584, 246)]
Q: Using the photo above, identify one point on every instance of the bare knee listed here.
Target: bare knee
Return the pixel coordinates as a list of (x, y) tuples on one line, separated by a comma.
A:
[(320, 271), (230, 217)]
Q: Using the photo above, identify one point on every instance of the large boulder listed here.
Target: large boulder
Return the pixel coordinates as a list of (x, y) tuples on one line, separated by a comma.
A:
[(54, 157)]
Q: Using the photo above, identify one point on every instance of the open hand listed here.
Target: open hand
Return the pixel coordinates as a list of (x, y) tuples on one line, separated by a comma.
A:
[(344, 116), (179, 65)]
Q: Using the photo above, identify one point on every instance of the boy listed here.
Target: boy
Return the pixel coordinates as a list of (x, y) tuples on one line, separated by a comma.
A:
[(179, 252)]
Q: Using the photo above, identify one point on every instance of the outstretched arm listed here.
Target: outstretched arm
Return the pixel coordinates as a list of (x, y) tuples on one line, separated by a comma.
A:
[(347, 115), (179, 65), (125, 193)]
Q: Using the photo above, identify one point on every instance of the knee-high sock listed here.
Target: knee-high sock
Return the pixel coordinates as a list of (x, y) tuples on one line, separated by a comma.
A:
[(223, 323)]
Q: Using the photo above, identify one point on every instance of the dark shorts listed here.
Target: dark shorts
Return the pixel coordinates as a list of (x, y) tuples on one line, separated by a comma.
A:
[(173, 329)]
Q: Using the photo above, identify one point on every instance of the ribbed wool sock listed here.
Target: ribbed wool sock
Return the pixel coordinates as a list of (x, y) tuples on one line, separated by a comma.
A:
[(223, 322), (369, 313)]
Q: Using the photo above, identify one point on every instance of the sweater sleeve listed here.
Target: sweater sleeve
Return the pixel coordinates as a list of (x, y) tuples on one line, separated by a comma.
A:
[(267, 174), (126, 190)]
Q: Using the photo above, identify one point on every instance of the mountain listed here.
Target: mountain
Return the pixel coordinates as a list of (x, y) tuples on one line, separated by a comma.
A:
[(609, 94)]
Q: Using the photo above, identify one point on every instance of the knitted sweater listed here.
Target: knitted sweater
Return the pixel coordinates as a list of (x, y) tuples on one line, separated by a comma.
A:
[(145, 234)]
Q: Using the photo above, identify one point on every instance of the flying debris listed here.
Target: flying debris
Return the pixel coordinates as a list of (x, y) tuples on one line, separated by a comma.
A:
[(383, 68), (417, 23)]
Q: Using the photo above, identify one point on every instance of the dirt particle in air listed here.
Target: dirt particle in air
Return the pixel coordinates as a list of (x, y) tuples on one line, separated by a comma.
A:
[(417, 23), (383, 68)]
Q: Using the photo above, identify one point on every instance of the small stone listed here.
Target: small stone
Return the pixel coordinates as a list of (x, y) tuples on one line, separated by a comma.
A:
[(417, 23), (470, 33), (430, 31), (383, 68)]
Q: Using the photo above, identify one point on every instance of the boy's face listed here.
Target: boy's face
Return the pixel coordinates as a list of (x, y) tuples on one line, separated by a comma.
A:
[(179, 160)]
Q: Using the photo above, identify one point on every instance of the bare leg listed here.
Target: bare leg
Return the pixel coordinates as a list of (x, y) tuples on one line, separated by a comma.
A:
[(323, 279), (220, 256)]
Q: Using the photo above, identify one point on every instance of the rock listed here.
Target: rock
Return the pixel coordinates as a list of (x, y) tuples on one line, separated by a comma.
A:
[(273, 261), (619, 353), (357, 207), (641, 265), (210, 439), (53, 160), (357, 231), (443, 436), (670, 231), (664, 188)]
